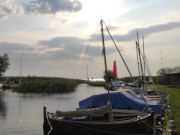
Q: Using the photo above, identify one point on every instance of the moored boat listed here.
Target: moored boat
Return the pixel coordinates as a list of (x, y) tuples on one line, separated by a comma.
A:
[(100, 125), (101, 120)]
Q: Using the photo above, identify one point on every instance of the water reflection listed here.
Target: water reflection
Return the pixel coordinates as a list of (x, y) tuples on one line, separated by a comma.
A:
[(49, 132), (71, 101), (3, 108), (23, 113)]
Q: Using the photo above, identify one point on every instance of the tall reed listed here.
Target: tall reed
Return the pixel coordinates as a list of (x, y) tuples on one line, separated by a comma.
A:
[(46, 85)]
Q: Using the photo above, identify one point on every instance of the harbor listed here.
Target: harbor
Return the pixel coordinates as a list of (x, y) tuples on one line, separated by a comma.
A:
[(17, 116), (84, 67)]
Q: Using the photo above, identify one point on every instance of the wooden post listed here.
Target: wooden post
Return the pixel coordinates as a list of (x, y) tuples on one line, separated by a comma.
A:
[(154, 131), (46, 126)]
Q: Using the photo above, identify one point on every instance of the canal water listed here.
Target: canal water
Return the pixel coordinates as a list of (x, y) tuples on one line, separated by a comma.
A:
[(22, 114)]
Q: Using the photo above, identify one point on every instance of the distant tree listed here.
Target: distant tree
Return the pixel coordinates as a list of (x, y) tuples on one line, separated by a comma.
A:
[(167, 70), (162, 78), (163, 71), (176, 69), (109, 74), (4, 63)]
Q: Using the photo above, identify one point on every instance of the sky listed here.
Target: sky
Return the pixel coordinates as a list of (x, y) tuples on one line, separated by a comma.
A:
[(61, 38)]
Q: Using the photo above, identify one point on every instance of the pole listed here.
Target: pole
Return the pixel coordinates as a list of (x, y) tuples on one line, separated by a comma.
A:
[(143, 59), (137, 58), (154, 130), (87, 74), (105, 64)]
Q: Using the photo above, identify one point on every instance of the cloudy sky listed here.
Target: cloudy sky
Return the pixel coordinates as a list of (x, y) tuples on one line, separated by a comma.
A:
[(60, 38)]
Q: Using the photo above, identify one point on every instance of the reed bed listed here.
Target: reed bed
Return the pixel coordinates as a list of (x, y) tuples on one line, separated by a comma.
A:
[(46, 85)]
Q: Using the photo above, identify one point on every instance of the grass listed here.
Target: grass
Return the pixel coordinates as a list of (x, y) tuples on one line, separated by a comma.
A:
[(46, 85), (175, 104)]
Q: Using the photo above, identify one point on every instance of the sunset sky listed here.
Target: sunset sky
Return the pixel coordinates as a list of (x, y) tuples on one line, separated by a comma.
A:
[(60, 38)]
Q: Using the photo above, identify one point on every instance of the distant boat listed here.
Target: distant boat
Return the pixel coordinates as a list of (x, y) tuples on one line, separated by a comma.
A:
[(140, 85), (116, 84), (96, 79), (6, 87), (99, 120), (7, 84)]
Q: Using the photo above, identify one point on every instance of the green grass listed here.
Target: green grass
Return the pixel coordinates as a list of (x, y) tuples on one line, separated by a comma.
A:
[(46, 85), (175, 103)]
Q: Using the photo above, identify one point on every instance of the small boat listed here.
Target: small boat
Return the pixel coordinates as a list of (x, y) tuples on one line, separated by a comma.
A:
[(102, 119), (7, 84), (95, 122), (140, 85), (6, 87), (114, 85)]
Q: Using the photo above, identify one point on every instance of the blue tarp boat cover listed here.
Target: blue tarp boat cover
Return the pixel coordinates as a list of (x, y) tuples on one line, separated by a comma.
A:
[(121, 100)]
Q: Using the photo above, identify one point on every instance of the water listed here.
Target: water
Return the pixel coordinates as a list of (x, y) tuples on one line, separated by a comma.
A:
[(22, 114)]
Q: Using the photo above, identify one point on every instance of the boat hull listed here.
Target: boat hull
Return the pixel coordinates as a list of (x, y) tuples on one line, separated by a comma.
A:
[(133, 126)]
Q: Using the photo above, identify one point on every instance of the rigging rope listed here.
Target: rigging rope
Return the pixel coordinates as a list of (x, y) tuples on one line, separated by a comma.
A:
[(119, 51), (148, 69), (82, 56), (125, 62), (84, 51)]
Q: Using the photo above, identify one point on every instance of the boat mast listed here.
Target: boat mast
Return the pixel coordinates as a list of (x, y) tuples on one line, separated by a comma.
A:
[(143, 59), (104, 53), (137, 58), (139, 53), (105, 63), (144, 82), (20, 69), (87, 74)]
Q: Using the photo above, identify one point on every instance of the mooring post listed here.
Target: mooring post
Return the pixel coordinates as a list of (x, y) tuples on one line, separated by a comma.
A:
[(45, 124), (154, 131)]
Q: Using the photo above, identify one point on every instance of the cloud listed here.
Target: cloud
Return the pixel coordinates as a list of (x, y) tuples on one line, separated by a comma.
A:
[(16, 7), (158, 28), (111, 28), (7, 8), (54, 6), (14, 47), (56, 49), (72, 48), (146, 31)]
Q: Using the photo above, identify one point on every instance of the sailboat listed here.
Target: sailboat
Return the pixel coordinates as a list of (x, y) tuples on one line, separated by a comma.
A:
[(150, 92), (101, 120)]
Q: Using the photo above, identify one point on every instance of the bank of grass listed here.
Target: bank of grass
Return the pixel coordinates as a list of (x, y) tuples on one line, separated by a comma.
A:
[(175, 104), (46, 85)]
